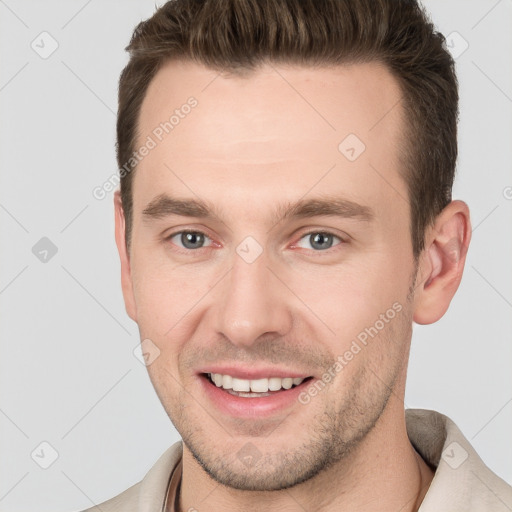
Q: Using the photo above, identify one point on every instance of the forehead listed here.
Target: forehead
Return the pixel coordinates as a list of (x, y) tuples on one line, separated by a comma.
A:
[(281, 128)]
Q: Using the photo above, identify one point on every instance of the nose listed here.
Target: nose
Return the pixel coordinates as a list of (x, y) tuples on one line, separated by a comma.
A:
[(252, 302)]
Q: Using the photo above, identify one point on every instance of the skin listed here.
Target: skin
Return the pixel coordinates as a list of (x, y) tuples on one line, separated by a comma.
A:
[(251, 144)]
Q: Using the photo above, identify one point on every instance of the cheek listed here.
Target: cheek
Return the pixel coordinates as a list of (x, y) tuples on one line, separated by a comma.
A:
[(165, 291), (346, 300)]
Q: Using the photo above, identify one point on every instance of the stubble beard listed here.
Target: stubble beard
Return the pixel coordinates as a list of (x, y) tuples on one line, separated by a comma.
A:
[(333, 434)]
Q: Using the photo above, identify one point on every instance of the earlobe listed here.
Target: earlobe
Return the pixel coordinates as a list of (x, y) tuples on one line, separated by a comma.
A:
[(442, 263), (124, 256)]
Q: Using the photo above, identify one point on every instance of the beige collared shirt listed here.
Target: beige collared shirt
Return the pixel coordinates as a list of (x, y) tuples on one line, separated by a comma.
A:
[(462, 482)]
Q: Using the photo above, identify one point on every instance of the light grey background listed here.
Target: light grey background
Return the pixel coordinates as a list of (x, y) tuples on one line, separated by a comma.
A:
[(68, 373)]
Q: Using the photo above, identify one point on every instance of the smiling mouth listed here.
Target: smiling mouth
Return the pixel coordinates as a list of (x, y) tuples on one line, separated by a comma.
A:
[(254, 388)]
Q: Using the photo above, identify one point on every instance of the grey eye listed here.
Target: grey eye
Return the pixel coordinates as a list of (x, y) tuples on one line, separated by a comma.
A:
[(190, 239), (319, 240)]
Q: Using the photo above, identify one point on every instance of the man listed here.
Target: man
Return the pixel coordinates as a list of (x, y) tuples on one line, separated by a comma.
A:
[(284, 216)]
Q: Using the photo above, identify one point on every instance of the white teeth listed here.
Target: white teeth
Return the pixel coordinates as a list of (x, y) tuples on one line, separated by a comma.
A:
[(241, 384), (287, 383), (255, 385), (259, 385), (227, 381), (274, 384)]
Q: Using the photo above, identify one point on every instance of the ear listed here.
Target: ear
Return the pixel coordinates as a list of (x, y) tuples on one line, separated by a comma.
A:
[(442, 262), (126, 277)]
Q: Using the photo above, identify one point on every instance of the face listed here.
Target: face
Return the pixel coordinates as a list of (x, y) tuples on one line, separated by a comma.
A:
[(271, 248)]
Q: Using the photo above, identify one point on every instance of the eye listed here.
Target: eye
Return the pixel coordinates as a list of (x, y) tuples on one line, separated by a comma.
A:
[(189, 239), (318, 240)]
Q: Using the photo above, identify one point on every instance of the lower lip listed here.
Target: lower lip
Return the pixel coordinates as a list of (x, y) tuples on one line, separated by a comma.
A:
[(251, 407)]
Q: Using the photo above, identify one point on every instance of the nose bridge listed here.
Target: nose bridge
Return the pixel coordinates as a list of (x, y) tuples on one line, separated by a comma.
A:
[(250, 302)]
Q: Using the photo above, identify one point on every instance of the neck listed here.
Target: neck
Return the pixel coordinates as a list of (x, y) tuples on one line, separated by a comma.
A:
[(383, 474)]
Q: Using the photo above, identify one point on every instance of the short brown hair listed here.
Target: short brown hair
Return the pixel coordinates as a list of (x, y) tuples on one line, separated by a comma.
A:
[(235, 36)]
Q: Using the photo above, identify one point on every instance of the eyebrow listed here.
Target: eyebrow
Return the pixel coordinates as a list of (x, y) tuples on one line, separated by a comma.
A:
[(164, 206)]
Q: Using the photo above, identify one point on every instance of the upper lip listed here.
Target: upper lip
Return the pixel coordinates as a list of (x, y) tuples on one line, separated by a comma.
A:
[(253, 373)]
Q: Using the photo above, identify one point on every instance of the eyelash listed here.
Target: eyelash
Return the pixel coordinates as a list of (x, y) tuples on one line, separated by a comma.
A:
[(309, 233)]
